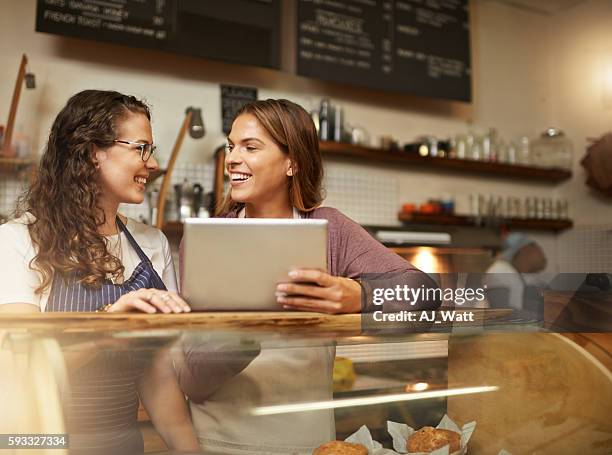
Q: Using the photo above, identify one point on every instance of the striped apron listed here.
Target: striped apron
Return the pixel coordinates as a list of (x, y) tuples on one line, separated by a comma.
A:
[(102, 412)]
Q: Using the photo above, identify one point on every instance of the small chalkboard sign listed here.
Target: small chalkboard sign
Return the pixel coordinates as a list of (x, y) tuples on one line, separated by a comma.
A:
[(233, 97)]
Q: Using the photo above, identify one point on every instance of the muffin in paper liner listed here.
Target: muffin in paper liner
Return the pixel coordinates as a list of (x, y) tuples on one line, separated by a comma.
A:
[(400, 432)]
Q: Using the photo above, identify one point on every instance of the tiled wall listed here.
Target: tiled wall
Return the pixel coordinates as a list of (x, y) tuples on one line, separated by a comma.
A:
[(366, 196), (10, 189)]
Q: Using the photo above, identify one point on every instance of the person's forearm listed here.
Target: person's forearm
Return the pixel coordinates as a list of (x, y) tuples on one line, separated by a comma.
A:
[(166, 405), (203, 369)]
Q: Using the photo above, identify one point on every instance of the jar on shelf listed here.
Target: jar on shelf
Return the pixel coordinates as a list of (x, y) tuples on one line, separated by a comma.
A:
[(474, 147), (512, 153), (552, 149), (451, 145), (524, 152), (502, 152), (425, 146), (489, 143), (447, 204), (432, 144), (461, 146)]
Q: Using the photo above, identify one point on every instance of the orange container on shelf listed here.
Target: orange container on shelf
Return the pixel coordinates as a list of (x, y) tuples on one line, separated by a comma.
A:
[(408, 207), (429, 208)]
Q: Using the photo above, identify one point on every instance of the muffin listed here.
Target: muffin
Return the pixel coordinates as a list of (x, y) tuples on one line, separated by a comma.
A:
[(340, 448), (429, 438)]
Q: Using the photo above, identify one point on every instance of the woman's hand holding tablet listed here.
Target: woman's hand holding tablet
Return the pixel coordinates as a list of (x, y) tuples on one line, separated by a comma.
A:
[(316, 290)]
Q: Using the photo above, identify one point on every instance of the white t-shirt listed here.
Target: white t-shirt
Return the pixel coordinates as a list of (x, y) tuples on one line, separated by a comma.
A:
[(18, 281)]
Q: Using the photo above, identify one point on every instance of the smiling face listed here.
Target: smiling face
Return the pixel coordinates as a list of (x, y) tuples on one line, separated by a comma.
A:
[(258, 167), (122, 173)]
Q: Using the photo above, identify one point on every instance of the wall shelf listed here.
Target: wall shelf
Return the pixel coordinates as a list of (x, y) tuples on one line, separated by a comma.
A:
[(402, 158), (462, 220), (174, 229)]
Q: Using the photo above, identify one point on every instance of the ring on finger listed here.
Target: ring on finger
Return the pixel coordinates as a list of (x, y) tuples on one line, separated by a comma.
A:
[(165, 297)]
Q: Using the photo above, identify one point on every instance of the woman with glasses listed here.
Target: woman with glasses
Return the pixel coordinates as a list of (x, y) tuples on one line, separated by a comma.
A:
[(68, 249)]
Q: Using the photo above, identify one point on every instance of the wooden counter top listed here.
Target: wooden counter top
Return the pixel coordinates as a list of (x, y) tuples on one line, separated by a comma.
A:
[(97, 322), (278, 322)]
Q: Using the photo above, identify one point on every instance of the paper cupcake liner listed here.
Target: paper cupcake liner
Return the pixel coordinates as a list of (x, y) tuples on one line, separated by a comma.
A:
[(400, 432)]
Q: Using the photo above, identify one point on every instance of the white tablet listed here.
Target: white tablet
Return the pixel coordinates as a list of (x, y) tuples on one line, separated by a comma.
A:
[(235, 263)]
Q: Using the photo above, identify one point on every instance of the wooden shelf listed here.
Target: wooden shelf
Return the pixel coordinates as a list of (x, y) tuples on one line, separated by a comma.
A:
[(174, 229), (400, 157), (462, 220)]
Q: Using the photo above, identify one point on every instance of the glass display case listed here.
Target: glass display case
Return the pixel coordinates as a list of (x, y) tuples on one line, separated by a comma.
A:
[(288, 382)]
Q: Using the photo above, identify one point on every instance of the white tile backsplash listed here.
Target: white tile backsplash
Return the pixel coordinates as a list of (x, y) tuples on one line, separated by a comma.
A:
[(366, 196), (10, 190)]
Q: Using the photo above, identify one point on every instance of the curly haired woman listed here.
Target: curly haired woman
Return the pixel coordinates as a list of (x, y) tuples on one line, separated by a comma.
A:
[(69, 250)]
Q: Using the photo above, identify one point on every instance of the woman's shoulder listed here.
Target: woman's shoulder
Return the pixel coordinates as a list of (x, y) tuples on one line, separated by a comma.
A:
[(15, 232), (17, 226), (340, 226), (331, 214)]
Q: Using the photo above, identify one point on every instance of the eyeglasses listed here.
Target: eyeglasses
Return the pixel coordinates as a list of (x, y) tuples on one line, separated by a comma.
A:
[(146, 150)]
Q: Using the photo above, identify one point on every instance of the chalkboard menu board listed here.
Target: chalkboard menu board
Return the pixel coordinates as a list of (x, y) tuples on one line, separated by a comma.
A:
[(414, 46), (240, 31)]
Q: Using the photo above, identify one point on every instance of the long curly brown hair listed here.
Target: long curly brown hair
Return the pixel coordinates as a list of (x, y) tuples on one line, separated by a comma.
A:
[(63, 199)]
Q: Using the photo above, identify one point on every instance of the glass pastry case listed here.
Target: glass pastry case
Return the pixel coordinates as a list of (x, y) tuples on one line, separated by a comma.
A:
[(290, 382)]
